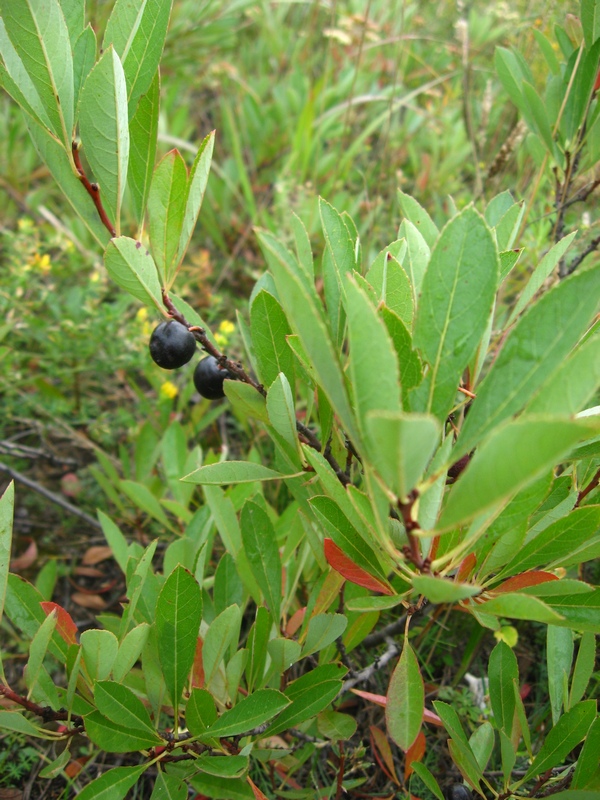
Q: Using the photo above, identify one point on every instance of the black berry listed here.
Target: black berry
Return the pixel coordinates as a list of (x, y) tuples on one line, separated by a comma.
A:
[(208, 378), (172, 345), (458, 791)]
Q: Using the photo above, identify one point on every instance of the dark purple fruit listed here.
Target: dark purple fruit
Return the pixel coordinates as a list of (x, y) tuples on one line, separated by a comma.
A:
[(172, 345), (458, 791), (208, 378)]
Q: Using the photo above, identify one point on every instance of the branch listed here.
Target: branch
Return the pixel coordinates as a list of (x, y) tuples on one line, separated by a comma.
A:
[(367, 673), (93, 190), (593, 245)]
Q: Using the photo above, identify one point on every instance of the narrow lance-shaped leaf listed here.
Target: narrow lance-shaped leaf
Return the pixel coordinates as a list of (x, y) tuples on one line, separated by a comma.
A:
[(7, 503), (405, 699), (137, 30), (196, 187), (16, 81), (104, 130), (40, 36), (143, 134), (166, 206), (456, 299), (84, 58), (178, 615), (269, 330), (536, 346), (132, 268), (113, 785), (503, 671), (262, 552)]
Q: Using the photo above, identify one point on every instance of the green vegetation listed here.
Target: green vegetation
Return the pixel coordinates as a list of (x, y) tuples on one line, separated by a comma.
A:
[(366, 564)]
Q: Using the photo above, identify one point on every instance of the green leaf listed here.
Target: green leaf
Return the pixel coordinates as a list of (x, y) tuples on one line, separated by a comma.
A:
[(482, 743), (142, 497), (323, 629), (74, 14), (428, 779), (540, 274), (580, 611), (338, 238), (143, 134), (115, 738), (37, 651), (590, 20), (113, 785), (311, 330), (465, 760), (408, 359), (249, 713), (310, 695), (391, 283), (417, 256), (502, 672), (23, 609), (369, 603), (137, 29), (404, 444), (166, 206), (368, 339), (15, 721), (513, 456), (451, 721), (84, 58), (455, 304), (282, 413), (132, 268), (537, 345), (228, 767), (222, 788), (54, 155), (200, 711), (559, 658), (99, 652), (405, 700), (570, 729), (104, 130), (223, 630), (7, 505), (168, 787), (258, 536), (416, 214), (18, 84), (584, 667), (130, 649), (269, 328), (233, 472), (119, 704), (196, 186), (283, 653), (538, 115), (225, 518), (40, 37), (588, 768), (115, 540), (178, 615), (520, 606), (443, 590), (335, 726)]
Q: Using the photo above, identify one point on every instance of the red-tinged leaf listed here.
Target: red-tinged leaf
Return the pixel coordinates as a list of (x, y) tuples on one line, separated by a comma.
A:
[(532, 578), (381, 700), (339, 561), (405, 699), (295, 622), (256, 791), (26, 559), (198, 667), (466, 567), (65, 626), (383, 753), (414, 753)]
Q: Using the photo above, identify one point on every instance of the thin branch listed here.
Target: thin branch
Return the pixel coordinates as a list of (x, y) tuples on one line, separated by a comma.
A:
[(589, 488), (93, 190), (54, 498), (593, 245), (366, 674)]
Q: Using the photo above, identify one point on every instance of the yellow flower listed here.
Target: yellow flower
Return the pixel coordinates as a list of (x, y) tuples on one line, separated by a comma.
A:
[(226, 327), (168, 391), (41, 262), (142, 314), (220, 339)]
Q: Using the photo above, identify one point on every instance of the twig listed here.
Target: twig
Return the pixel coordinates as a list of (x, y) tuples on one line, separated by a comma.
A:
[(593, 245), (368, 672), (54, 498), (589, 488), (93, 190), (45, 712)]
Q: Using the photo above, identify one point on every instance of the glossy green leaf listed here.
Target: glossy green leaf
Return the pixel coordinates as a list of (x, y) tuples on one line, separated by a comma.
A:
[(227, 472), (178, 615), (590, 21), (451, 720), (196, 186), (130, 650), (168, 787), (587, 771), (137, 30), (442, 590), (283, 653), (417, 256), (112, 785), (391, 283), (17, 722), (228, 767), (38, 648), (540, 274), (369, 603), (200, 711), (580, 611), (405, 699), (131, 266), (222, 788), (269, 328), (414, 212), (520, 606), (408, 359), (16, 81), (537, 345), (249, 713), (143, 134), (404, 444), (311, 330), (559, 543), (282, 412), (513, 456), (7, 505), (336, 726), (115, 738), (570, 729), (465, 760), (257, 642), (40, 37), (225, 518), (119, 704), (104, 130), (99, 652), (428, 779), (258, 536), (166, 207), (559, 658), (502, 672), (368, 336), (141, 496), (584, 667), (338, 238), (223, 630), (23, 609), (84, 58), (482, 742), (323, 629), (454, 307), (74, 14)]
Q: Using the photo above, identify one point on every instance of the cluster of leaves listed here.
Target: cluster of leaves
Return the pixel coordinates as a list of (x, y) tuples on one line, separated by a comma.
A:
[(431, 451)]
